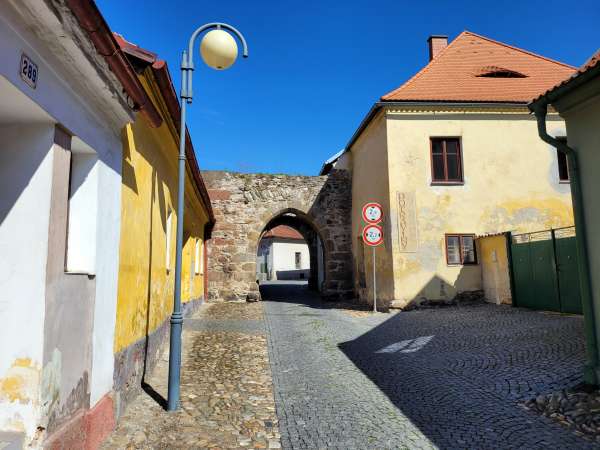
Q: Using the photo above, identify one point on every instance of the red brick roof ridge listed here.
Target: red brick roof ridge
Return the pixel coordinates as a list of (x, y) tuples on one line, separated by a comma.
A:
[(512, 47), (433, 62)]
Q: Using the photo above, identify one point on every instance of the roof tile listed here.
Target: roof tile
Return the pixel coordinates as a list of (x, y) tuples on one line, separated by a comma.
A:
[(456, 74)]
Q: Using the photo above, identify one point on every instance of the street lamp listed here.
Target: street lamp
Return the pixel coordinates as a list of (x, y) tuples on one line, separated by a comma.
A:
[(219, 51)]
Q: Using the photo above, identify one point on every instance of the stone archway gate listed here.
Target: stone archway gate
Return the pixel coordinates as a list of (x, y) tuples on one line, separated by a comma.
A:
[(245, 203)]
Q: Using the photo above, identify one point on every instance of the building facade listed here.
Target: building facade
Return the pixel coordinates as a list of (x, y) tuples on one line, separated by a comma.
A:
[(577, 100), (148, 229), (283, 254), (451, 154), (63, 107)]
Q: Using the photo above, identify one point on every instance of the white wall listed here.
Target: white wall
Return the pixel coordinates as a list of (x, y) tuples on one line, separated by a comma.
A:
[(284, 256), (71, 91), (25, 181)]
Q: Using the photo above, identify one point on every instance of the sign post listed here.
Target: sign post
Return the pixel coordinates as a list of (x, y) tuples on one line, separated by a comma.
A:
[(372, 213)]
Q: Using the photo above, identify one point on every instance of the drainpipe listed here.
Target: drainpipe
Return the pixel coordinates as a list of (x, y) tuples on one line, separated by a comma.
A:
[(590, 370)]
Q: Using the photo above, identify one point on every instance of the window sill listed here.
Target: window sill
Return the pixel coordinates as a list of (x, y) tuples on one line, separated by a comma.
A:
[(463, 265), (564, 182), (80, 272), (447, 183)]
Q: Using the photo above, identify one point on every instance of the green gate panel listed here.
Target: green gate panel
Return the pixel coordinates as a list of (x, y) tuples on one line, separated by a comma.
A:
[(545, 288), (568, 275), (523, 295)]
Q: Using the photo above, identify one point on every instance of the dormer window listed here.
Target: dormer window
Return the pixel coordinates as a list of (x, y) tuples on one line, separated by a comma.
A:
[(498, 72)]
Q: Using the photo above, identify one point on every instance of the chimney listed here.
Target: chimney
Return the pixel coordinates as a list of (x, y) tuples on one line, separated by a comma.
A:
[(437, 43)]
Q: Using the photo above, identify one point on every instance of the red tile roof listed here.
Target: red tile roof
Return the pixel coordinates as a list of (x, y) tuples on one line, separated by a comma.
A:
[(283, 231), (590, 64), (457, 74)]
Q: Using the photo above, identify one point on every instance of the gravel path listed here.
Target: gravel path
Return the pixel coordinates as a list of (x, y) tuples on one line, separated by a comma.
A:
[(443, 378)]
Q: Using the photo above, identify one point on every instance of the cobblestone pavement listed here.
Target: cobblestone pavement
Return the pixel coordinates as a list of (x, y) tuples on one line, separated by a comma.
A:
[(444, 378), (226, 388)]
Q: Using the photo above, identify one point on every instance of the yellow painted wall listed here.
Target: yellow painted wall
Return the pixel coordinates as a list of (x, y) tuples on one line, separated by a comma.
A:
[(511, 184), (495, 277), (370, 183), (145, 290)]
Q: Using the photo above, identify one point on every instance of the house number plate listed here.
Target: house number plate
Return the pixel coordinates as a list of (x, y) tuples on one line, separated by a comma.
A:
[(28, 71)]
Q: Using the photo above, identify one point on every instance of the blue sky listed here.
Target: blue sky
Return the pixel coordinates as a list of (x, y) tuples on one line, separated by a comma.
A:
[(316, 67)]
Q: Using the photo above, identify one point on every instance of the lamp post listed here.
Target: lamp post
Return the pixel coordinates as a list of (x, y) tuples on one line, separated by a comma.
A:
[(219, 51)]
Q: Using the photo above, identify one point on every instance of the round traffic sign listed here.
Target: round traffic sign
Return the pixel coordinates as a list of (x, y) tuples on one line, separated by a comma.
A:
[(372, 212), (373, 235)]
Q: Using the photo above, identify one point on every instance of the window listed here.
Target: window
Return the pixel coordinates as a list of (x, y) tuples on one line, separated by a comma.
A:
[(168, 234), (563, 164), (460, 249), (446, 161), (199, 260), (298, 260), (82, 209)]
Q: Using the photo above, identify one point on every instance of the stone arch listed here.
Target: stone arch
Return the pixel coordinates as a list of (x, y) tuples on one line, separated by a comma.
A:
[(244, 204), (305, 225)]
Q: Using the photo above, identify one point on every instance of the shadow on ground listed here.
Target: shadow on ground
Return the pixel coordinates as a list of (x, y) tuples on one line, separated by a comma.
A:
[(459, 374)]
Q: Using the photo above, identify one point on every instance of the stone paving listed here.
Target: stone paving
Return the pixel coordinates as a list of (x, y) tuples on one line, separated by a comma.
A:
[(449, 378), (226, 388)]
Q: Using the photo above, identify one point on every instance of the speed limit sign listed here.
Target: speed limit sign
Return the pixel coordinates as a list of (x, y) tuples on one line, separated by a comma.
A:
[(372, 212), (373, 235)]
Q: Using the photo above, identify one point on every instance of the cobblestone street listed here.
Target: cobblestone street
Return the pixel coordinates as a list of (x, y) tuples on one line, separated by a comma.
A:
[(447, 378), (450, 378), (226, 390)]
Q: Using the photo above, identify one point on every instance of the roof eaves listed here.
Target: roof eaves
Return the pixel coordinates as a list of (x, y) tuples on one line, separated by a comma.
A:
[(589, 70), (91, 20)]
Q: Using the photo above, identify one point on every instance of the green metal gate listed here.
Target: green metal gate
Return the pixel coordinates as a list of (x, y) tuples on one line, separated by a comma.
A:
[(545, 272)]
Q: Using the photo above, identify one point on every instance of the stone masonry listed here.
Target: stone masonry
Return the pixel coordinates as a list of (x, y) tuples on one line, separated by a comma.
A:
[(246, 205)]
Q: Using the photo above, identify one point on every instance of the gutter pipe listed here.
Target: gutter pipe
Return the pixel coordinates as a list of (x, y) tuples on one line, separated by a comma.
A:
[(591, 368)]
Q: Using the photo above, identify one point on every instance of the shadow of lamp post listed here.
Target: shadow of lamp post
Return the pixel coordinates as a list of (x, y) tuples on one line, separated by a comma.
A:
[(219, 51)]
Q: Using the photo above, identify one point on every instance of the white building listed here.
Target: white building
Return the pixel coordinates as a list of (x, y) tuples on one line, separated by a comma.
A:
[(282, 255), (65, 96)]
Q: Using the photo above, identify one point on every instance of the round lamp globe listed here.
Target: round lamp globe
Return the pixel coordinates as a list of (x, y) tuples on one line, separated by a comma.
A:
[(218, 49)]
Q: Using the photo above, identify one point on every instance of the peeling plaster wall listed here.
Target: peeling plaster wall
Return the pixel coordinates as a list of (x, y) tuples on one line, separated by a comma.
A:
[(149, 192), (510, 184), (76, 90), (25, 180), (146, 284), (69, 300), (370, 183)]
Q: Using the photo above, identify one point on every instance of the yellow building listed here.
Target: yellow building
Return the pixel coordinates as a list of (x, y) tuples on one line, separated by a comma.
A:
[(148, 228), (451, 154)]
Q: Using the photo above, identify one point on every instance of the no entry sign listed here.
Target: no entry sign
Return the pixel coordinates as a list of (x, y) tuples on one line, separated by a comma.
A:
[(373, 235), (372, 212)]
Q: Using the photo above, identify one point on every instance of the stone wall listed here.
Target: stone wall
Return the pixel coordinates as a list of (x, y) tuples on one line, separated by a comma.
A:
[(247, 204)]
